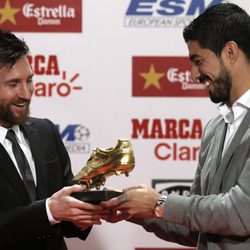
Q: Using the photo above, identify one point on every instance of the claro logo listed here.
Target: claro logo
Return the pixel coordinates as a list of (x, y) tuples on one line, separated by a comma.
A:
[(50, 79), (174, 137)]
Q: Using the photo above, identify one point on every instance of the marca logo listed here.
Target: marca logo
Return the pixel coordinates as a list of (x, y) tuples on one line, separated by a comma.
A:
[(60, 82), (165, 13), (74, 137), (179, 139), (164, 76), (41, 16)]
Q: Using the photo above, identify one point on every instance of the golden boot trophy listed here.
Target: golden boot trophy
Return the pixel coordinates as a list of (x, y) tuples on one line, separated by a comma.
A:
[(102, 164)]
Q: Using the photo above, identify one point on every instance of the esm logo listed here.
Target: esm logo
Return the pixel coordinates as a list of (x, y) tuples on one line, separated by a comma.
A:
[(165, 13)]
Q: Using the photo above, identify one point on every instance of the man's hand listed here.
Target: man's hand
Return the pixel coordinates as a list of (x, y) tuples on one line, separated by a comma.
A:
[(64, 207), (136, 201)]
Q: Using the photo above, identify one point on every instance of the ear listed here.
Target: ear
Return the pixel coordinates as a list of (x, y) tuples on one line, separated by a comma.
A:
[(231, 51)]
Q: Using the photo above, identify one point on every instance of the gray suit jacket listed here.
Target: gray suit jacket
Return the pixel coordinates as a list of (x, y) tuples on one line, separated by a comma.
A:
[(217, 214)]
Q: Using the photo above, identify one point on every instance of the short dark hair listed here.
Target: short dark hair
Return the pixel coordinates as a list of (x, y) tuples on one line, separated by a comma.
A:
[(12, 48), (218, 25)]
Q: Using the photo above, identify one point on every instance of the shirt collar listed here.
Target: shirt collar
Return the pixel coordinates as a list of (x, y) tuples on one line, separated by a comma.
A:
[(228, 113), (3, 132)]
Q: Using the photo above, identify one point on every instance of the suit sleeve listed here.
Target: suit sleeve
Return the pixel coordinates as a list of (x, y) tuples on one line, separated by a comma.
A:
[(67, 229), (169, 230), (20, 222), (225, 213)]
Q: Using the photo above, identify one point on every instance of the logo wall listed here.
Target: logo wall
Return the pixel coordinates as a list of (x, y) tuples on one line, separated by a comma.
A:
[(176, 138), (165, 13), (164, 76), (59, 83), (171, 186), (75, 137), (41, 16)]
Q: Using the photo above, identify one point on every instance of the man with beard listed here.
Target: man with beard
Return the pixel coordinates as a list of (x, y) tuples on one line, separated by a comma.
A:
[(216, 214), (36, 208)]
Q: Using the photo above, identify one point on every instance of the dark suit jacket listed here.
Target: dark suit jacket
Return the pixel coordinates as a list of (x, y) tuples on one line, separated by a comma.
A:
[(24, 225)]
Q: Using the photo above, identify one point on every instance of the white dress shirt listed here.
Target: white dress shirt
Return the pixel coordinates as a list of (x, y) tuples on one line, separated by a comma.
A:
[(233, 116), (24, 144)]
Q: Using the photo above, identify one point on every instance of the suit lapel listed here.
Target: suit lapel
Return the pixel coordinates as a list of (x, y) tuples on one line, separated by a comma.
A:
[(9, 170), (216, 153), (35, 141), (217, 178)]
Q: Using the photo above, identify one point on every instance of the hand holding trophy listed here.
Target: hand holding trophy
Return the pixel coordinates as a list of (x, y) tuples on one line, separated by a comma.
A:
[(102, 164)]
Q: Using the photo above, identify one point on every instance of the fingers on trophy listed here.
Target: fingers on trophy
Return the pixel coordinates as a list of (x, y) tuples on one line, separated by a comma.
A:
[(104, 163)]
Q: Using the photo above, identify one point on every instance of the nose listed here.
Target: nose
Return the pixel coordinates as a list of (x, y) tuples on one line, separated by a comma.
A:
[(195, 73), (25, 91)]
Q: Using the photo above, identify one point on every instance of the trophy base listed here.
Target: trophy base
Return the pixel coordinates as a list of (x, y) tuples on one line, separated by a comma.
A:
[(96, 196)]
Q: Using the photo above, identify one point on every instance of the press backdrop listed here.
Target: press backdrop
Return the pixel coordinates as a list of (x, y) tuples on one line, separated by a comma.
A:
[(110, 69)]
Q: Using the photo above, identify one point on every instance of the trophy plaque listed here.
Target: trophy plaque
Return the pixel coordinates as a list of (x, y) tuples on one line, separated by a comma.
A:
[(102, 164)]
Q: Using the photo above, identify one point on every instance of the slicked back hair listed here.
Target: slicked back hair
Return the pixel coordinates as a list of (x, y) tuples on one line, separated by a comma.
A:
[(218, 25), (12, 48)]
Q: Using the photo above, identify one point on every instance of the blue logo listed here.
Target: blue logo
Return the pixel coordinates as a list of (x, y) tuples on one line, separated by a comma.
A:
[(74, 137), (165, 13)]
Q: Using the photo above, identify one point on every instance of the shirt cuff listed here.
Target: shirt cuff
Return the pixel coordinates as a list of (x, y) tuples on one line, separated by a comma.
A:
[(50, 217)]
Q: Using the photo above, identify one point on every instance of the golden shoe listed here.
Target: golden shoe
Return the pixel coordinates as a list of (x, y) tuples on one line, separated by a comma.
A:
[(106, 162)]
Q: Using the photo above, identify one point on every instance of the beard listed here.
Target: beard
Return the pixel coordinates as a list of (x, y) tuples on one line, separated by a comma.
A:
[(8, 116), (222, 87)]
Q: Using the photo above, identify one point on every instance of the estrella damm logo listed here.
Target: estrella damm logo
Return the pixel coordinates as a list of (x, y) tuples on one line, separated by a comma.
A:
[(41, 16), (164, 77), (165, 13)]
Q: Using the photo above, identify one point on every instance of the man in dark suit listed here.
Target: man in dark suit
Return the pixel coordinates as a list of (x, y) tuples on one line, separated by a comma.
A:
[(36, 207)]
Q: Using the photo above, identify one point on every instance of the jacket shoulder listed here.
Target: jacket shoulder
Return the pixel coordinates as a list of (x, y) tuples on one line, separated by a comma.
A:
[(212, 125), (40, 122)]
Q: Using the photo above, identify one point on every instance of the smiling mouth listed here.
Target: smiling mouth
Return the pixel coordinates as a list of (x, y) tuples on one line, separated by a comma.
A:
[(21, 105), (205, 80)]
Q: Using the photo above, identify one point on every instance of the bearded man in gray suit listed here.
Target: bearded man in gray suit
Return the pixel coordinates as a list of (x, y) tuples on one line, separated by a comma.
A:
[(216, 215)]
